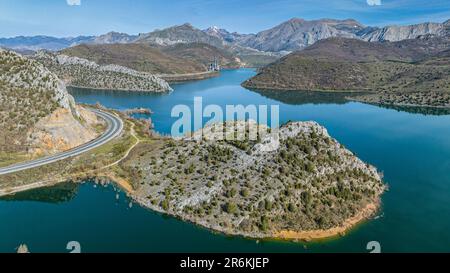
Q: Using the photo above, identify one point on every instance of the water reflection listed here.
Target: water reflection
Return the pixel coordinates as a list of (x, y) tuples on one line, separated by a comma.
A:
[(77, 91), (60, 193), (427, 111), (308, 97), (311, 97)]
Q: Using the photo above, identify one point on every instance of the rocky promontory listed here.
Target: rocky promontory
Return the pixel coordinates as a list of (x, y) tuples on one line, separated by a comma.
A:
[(79, 72), (285, 182)]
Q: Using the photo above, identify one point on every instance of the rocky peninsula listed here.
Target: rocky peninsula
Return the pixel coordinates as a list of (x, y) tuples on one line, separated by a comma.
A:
[(82, 73), (296, 183)]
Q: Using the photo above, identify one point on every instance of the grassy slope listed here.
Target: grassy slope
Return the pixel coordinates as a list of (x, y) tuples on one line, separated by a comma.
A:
[(176, 59), (139, 57), (347, 64), (202, 53)]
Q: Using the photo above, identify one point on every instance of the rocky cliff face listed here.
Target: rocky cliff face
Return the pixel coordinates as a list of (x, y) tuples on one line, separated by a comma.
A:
[(225, 35), (37, 115), (60, 131), (114, 38), (298, 33), (399, 33), (185, 33)]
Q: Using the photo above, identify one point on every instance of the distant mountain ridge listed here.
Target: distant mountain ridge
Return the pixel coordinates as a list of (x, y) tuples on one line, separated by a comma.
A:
[(114, 38), (185, 33), (225, 35), (399, 33), (298, 33), (294, 34), (43, 42)]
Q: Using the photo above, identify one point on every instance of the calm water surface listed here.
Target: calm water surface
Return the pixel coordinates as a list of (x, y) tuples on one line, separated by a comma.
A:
[(411, 148)]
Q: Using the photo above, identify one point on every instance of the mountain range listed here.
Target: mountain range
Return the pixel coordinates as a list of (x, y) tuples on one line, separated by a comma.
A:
[(294, 34), (43, 42)]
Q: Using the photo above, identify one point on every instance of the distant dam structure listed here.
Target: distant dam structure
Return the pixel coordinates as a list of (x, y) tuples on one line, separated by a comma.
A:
[(214, 65)]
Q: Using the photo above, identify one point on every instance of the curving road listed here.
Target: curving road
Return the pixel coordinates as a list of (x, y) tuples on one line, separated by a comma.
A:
[(115, 127)]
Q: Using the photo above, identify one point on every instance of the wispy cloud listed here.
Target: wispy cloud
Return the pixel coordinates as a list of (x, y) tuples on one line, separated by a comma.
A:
[(73, 2), (374, 2)]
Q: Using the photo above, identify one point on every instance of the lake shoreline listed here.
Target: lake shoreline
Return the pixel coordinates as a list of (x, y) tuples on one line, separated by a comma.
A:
[(362, 96), (182, 78), (406, 105), (311, 235), (286, 235), (118, 90), (287, 89)]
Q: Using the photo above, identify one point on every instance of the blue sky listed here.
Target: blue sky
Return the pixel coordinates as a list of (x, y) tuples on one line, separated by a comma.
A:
[(92, 17)]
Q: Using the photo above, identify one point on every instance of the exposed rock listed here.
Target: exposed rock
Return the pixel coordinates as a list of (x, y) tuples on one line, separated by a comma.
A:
[(23, 249), (37, 114), (80, 72), (61, 132), (297, 33), (399, 33), (114, 38), (139, 110), (224, 34), (185, 33), (35, 76)]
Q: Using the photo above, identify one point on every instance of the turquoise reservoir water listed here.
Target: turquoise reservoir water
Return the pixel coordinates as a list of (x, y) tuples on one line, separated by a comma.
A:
[(411, 149)]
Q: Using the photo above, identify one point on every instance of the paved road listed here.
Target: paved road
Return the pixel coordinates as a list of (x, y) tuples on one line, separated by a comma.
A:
[(115, 127)]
